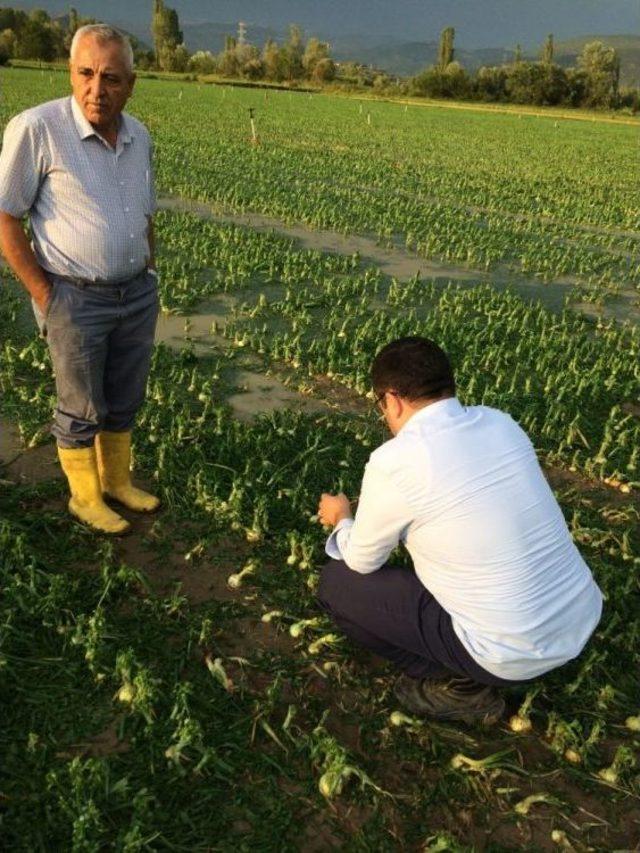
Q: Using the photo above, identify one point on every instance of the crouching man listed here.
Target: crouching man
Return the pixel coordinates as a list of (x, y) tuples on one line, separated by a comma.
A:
[(499, 594)]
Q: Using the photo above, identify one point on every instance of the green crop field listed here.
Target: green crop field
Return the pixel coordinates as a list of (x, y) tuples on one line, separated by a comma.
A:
[(179, 689)]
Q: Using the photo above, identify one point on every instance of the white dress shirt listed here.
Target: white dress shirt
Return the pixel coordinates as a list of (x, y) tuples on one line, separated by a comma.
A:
[(88, 203), (462, 488)]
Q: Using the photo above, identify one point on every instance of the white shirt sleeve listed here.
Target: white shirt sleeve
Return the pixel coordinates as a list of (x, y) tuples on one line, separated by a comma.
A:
[(21, 166), (383, 516)]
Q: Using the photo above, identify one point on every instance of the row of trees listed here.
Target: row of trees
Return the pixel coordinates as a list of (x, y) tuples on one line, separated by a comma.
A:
[(594, 82), (292, 61), (36, 35)]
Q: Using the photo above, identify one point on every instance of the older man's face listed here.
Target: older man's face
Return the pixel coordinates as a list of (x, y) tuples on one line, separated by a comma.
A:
[(101, 82)]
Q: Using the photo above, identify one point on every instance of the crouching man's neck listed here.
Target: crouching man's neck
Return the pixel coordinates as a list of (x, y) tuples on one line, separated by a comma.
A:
[(397, 410)]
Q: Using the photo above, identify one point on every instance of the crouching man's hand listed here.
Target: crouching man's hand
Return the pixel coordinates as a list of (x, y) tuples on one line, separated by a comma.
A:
[(333, 508)]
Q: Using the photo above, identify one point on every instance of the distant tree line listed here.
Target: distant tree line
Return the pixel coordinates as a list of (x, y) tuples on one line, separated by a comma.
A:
[(292, 61), (594, 81), (36, 35)]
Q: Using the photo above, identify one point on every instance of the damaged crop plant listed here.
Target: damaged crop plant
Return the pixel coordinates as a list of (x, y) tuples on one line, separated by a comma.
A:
[(180, 689)]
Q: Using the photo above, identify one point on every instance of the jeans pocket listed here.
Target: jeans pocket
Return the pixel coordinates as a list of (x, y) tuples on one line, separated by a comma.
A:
[(42, 317), (52, 297), (41, 320), (153, 286)]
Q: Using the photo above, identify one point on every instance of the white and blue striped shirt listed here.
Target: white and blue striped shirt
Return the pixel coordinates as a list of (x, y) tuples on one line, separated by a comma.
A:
[(88, 203)]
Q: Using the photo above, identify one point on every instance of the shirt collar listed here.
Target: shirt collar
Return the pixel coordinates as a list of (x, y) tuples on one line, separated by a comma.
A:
[(125, 133), (450, 407), (86, 129)]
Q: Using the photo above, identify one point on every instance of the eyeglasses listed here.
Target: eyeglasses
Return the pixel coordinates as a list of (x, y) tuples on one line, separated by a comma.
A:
[(378, 398)]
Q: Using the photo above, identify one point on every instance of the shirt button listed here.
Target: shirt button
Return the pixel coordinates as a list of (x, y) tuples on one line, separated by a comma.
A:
[(121, 183), (132, 260), (131, 235), (126, 210)]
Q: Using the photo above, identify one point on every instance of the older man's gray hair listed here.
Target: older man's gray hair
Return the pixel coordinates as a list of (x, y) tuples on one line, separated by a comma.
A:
[(104, 33)]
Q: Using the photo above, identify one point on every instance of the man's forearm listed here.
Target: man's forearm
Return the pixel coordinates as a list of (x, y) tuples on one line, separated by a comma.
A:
[(19, 255)]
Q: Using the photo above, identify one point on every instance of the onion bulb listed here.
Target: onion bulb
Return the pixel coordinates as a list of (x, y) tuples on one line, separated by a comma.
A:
[(521, 725)]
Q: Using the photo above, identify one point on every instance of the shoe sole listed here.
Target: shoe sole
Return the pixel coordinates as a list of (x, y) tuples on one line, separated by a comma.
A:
[(110, 499), (124, 532), (490, 718)]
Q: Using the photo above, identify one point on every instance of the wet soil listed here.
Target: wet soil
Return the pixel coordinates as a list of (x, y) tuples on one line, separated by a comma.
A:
[(252, 391), (197, 328), (107, 742), (250, 636), (265, 394), (200, 575), (25, 465)]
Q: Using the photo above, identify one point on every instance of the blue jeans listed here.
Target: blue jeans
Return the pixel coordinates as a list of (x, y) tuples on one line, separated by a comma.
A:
[(101, 339)]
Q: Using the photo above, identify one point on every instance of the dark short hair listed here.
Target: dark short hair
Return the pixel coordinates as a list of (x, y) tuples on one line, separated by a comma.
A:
[(416, 368)]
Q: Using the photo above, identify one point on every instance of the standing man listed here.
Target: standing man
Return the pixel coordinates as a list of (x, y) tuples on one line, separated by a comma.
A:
[(499, 593), (81, 170)]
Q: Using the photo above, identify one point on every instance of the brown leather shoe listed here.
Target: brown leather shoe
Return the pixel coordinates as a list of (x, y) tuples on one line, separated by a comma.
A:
[(453, 698)]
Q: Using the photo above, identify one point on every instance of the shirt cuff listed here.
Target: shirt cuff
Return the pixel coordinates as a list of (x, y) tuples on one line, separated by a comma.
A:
[(332, 547)]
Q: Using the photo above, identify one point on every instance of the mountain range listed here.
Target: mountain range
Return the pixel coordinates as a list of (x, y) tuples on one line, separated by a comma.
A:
[(398, 36), (479, 23), (404, 58)]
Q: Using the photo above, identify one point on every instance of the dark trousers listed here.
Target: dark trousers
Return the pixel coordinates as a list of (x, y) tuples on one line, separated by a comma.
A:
[(393, 615), (101, 341)]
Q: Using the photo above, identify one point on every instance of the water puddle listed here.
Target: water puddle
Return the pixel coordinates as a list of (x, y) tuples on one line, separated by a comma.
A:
[(200, 328), (254, 392), (624, 308), (260, 394)]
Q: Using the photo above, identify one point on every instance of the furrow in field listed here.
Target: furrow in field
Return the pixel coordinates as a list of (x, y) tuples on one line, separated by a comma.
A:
[(402, 264)]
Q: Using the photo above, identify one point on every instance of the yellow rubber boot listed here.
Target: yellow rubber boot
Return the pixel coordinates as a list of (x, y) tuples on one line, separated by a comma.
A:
[(113, 452), (86, 503)]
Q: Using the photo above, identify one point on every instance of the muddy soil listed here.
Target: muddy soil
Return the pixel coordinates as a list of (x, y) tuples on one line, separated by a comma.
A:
[(197, 328), (106, 742), (265, 394), (25, 465), (197, 577), (254, 391)]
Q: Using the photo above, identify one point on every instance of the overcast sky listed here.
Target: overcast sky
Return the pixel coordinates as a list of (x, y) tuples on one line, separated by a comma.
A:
[(479, 23)]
